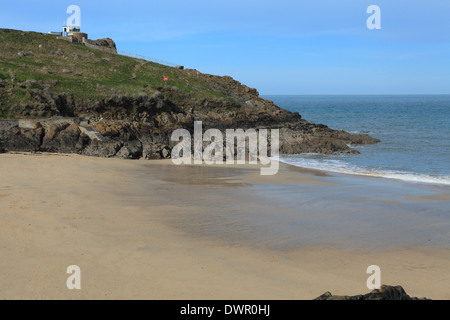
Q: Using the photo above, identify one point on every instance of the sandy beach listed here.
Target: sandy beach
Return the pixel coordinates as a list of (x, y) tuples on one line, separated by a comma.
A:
[(152, 230)]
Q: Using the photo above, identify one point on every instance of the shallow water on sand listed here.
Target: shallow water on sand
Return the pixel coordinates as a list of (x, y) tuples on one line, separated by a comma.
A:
[(350, 212)]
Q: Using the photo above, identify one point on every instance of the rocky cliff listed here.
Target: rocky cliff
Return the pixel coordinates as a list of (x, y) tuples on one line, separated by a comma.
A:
[(126, 101)]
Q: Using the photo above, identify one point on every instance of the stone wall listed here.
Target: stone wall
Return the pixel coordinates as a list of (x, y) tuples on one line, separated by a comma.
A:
[(79, 37), (6, 125)]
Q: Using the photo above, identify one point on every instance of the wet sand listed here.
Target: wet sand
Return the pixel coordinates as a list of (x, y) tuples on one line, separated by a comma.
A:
[(152, 230)]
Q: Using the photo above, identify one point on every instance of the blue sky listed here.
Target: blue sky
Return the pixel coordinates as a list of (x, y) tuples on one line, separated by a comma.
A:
[(278, 47)]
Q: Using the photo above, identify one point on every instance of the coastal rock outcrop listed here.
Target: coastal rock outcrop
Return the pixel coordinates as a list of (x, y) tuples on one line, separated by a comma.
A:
[(126, 104), (384, 293), (140, 126), (106, 43)]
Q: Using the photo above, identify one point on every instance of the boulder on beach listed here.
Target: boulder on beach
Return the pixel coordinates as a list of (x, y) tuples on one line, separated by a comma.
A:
[(384, 293)]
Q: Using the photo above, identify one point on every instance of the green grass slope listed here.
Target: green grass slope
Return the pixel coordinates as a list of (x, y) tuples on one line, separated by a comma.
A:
[(30, 62)]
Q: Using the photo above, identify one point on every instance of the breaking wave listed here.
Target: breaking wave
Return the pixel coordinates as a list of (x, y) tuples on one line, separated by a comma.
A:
[(340, 166)]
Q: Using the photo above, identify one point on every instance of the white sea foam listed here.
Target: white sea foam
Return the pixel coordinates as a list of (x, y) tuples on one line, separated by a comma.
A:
[(340, 166)]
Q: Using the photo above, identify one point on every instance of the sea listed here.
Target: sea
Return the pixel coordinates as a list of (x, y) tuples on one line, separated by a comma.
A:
[(414, 131)]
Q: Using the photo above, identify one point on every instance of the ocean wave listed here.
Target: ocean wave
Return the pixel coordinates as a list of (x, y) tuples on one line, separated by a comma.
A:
[(340, 166), (360, 132)]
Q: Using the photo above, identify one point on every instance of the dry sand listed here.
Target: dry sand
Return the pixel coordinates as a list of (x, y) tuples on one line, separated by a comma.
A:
[(121, 222)]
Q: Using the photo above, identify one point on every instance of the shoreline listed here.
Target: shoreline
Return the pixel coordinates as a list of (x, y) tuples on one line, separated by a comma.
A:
[(142, 230), (383, 175)]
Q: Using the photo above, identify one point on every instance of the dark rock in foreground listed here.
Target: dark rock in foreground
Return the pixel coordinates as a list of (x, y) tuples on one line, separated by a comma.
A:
[(384, 293)]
